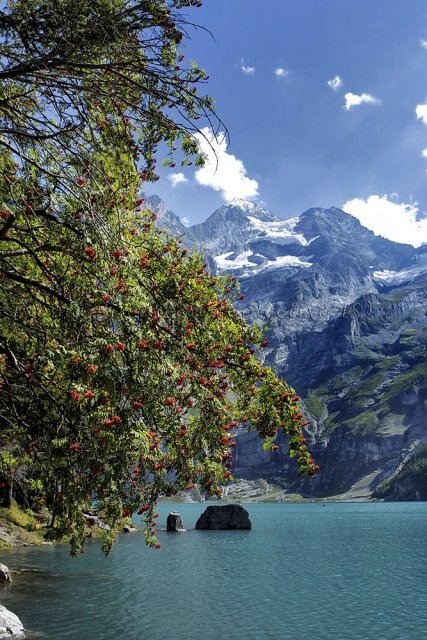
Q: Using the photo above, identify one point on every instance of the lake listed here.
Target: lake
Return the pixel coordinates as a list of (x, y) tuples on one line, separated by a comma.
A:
[(341, 571)]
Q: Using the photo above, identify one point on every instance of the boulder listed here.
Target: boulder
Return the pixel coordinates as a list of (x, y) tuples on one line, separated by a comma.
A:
[(228, 516), (10, 625), (5, 575), (94, 521), (128, 528), (174, 522)]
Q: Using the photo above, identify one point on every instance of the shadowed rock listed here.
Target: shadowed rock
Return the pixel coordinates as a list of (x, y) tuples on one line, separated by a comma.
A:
[(128, 528), (228, 516), (5, 574), (174, 522), (94, 521)]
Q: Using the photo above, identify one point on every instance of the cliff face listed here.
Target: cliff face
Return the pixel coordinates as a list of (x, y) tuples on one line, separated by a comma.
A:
[(409, 482), (347, 318)]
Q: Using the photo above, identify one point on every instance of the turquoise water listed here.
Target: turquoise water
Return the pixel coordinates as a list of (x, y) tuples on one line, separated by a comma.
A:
[(343, 571)]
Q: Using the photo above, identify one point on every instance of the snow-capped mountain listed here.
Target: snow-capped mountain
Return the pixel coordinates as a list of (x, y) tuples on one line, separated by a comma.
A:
[(347, 317)]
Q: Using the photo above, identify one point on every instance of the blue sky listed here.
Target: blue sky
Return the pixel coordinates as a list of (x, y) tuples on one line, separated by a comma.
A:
[(298, 144)]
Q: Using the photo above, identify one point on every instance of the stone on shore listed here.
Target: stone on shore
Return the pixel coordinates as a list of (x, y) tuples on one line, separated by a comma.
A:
[(94, 521), (5, 575), (228, 516), (10, 625), (174, 522), (128, 528)]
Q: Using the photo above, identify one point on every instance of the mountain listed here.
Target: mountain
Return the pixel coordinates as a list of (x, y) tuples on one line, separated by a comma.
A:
[(347, 318), (165, 218)]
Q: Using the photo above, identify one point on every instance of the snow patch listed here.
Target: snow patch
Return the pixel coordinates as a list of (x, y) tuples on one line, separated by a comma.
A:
[(281, 231), (389, 277), (224, 263), (287, 261)]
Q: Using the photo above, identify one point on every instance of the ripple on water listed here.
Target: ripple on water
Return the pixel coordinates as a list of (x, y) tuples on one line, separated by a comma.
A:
[(353, 571)]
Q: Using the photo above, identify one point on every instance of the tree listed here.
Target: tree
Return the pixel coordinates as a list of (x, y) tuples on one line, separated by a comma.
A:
[(125, 368)]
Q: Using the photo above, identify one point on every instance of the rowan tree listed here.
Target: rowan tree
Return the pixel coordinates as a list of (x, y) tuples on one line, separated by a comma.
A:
[(125, 368)]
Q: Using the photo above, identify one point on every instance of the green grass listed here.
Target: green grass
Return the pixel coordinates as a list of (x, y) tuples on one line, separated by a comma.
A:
[(388, 363), (405, 380), (316, 405), (18, 516), (18, 527), (331, 423), (364, 423), (362, 394), (343, 380)]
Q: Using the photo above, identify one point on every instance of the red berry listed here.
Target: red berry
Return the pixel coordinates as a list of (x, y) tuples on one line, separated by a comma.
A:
[(90, 252)]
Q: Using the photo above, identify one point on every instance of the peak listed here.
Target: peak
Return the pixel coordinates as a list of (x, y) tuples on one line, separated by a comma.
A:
[(321, 212), (155, 201), (329, 217), (242, 204), (247, 208)]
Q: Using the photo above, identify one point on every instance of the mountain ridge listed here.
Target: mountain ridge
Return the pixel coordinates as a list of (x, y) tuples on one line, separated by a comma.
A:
[(346, 312)]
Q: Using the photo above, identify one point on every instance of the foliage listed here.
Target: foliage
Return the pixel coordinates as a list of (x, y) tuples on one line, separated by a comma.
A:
[(71, 71), (125, 368)]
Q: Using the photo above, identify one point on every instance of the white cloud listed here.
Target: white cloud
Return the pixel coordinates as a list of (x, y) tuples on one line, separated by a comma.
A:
[(335, 83), (354, 100), (249, 71), (424, 153), (396, 221), (421, 111), (186, 221), (423, 44), (280, 72), (177, 178), (223, 171)]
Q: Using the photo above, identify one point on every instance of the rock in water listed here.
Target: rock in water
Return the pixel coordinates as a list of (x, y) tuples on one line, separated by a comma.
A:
[(127, 528), (228, 516), (174, 522), (5, 573), (10, 625)]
